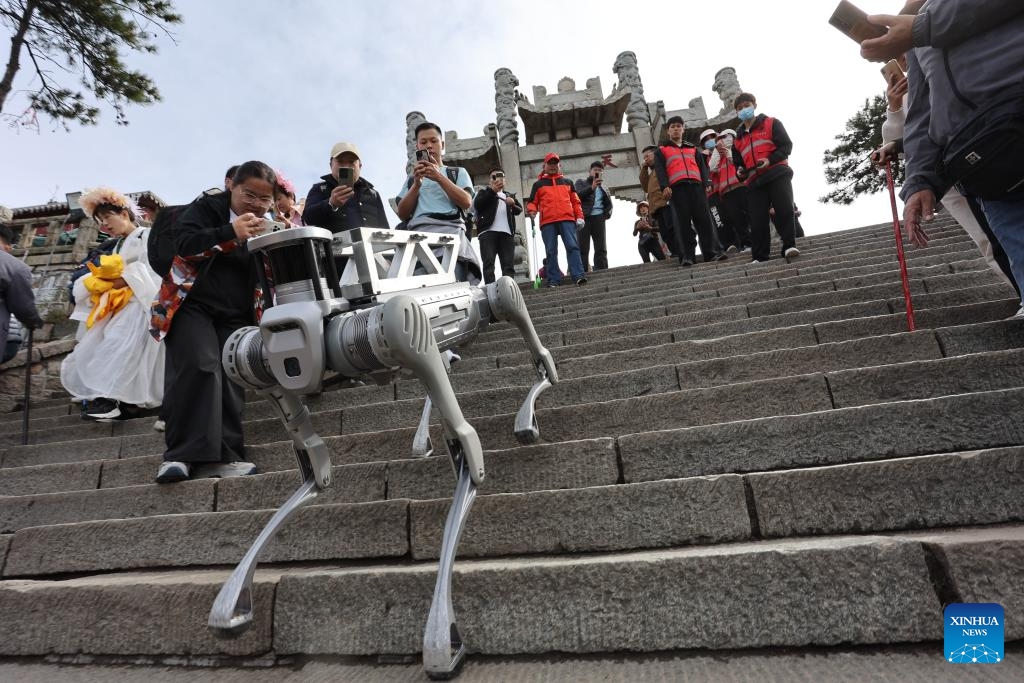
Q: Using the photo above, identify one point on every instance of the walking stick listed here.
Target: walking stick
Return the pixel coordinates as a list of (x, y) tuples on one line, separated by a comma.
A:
[(899, 248), (533, 244), (28, 389)]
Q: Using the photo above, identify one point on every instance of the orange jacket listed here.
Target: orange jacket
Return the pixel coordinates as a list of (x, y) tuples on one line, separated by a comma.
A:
[(555, 198)]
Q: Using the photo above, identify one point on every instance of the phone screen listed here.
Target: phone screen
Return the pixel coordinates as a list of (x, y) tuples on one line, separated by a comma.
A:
[(345, 176), (853, 21), (422, 155)]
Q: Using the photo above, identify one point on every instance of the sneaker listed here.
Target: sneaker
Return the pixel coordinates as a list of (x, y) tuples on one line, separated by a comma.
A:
[(582, 281), (224, 470), (172, 471), (160, 426), (791, 253), (1019, 314), (102, 409), (732, 249), (745, 249), (720, 257), (760, 261), (685, 262), (551, 284)]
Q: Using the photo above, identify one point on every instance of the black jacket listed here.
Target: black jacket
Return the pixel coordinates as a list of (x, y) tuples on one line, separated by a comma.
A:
[(365, 209), (485, 205), (587, 193), (224, 286)]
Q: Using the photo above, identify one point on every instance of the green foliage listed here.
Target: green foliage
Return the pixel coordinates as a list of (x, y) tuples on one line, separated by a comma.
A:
[(73, 49), (847, 165)]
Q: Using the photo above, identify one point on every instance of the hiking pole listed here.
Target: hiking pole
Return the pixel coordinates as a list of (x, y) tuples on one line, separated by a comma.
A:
[(28, 390), (533, 243), (899, 248)]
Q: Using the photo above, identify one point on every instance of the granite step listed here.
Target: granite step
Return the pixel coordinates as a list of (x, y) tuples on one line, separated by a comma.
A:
[(692, 597)]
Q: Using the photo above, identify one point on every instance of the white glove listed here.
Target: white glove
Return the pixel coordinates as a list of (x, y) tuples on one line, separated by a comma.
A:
[(580, 223)]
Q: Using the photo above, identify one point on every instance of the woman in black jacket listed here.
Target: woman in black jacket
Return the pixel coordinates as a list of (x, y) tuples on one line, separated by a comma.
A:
[(495, 216), (202, 407)]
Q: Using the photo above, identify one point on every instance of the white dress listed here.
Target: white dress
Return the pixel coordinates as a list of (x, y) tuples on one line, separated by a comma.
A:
[(117, 358)]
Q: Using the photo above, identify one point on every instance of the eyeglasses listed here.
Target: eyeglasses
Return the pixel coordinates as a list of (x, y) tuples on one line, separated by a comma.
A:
[(495, 176), (254, 198)]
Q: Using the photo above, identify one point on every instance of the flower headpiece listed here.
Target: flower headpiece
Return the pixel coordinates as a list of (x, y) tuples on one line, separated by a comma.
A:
[(285, 184), (94, 198)]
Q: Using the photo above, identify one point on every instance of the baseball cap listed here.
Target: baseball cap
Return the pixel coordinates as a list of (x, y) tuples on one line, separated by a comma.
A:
[(727, 131), (551, 156), (710, 132), (342, 147)]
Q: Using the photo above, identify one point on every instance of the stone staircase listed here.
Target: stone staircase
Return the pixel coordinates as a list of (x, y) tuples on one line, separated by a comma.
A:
[(747, 470)]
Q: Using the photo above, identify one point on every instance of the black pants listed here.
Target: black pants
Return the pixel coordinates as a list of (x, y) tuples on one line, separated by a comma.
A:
[(649, 248), (775, 194), (202, 407), (735, 219), (593, 228), (690, 204), (667, 227), (501, 244)]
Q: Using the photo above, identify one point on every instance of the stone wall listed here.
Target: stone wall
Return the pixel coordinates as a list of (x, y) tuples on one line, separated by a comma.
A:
[(45, 373)]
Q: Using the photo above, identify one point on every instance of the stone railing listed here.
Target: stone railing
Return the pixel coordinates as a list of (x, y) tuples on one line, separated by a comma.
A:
[(45, 372)]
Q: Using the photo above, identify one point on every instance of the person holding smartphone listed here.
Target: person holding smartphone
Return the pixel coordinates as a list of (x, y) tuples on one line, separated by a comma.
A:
[(496, 210), (597, 209), (436, 198), (344, 199)]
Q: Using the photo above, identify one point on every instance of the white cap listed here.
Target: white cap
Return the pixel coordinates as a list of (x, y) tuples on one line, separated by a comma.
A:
[(709, 132), (727, 131), (343, 147)]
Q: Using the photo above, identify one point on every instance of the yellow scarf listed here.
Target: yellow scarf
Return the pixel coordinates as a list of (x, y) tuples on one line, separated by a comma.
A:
[(105, 299)]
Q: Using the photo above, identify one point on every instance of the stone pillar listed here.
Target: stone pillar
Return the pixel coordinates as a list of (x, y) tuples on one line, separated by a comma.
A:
[(516, 182), (626, 69), (412, 119), (505, 83)]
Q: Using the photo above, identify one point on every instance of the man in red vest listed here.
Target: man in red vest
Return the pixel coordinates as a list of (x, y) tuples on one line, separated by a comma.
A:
[(762, 149), (684, 178), (735, 232)]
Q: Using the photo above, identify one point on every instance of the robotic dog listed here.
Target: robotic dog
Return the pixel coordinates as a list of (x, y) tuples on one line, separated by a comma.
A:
[(395, 308)]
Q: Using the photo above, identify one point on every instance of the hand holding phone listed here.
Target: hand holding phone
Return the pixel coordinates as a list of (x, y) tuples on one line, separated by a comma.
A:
[(345, 176), (853, 21), (892, 72), (267, 225)]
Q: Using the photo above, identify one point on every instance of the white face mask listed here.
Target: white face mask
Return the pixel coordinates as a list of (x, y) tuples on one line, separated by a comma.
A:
[(727, 141)]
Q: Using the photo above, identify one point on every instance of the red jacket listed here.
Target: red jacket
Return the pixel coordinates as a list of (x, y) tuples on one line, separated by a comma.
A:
[(555, 198)]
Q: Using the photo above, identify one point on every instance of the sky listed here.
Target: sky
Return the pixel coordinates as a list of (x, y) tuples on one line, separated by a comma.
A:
[(283, 81)]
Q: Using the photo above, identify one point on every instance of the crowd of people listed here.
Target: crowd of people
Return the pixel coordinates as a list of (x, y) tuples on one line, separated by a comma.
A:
[(722, 195)]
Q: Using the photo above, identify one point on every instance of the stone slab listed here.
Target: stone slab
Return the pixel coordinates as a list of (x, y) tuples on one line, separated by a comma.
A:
[(361, 483), (126, 614), (661, 514), (22, 481), (987, 371), (998, 335), (545, 467), (18, 512), (963, 489), (931, 426), (318, 532), (821, 592)]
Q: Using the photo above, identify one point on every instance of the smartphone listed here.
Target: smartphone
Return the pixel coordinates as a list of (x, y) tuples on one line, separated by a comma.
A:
[(892, 72), (853, 21), (345, 176), (272, 226), (422, 155)]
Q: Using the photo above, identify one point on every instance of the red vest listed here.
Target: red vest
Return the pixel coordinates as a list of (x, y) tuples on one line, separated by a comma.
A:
[(757, 144), (681, 164), (724, 177)]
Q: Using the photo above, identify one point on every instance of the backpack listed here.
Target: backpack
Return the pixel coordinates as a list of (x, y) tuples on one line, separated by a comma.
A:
[(160, 249)]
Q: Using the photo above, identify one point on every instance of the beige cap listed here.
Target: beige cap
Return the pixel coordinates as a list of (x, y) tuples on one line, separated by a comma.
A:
[(342, 147)]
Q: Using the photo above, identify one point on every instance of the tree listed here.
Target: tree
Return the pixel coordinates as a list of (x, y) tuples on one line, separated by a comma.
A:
[(82, 39), (847, 164)]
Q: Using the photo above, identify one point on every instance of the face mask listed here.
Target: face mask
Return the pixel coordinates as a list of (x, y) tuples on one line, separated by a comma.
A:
[(709, 144), (746, 113), (727, 141)]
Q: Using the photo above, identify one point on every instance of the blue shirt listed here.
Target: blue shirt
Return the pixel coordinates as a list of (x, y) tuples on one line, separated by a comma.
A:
[(432, 198)]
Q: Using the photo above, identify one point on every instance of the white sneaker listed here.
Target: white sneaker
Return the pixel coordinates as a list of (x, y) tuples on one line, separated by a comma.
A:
[(224, 470), (1018, 314), (791, 253), (160, 426), (172, 471)]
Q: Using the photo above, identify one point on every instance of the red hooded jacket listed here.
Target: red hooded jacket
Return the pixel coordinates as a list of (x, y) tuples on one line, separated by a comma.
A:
[(555, 198)]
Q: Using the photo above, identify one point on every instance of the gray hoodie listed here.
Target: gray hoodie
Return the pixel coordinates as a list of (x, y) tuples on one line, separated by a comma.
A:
[(966, 53)]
